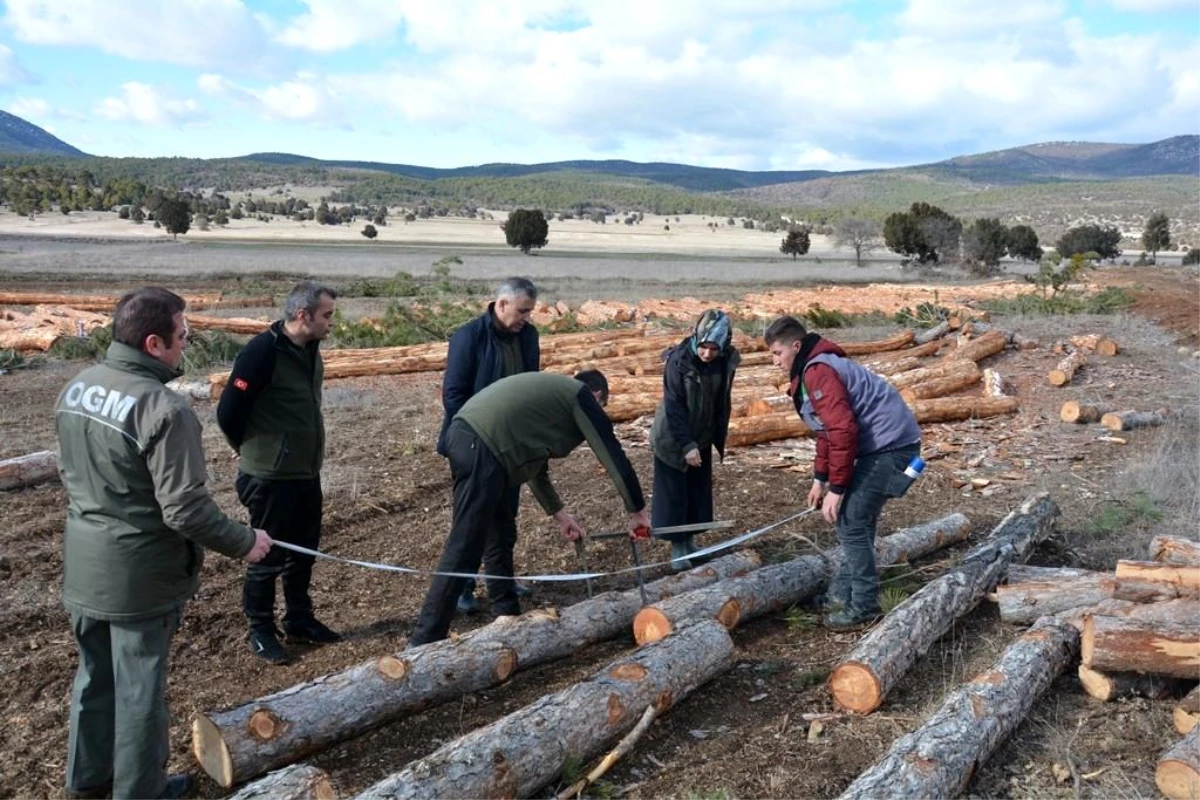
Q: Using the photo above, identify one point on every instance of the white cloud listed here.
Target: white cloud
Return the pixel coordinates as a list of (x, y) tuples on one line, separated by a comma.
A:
[(1151, 6), (11, 71), (306, 98), (184, 32), (147, 105), (937, 19)]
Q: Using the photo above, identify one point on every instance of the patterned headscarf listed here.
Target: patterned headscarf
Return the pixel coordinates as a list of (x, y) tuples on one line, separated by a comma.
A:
[(712, 327)]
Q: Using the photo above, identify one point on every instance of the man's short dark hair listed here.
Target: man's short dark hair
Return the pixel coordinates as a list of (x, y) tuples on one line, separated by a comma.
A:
[(785, 329), (305, 296), (148, 311), (517, 287), (594, 379)]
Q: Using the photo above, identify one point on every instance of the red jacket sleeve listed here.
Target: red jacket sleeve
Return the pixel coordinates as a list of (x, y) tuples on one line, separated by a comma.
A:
[(832, 404)]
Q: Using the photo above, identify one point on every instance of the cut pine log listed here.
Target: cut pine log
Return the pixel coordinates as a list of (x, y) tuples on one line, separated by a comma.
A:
[(1178, 772), (1175, 550), (1120, 644), (898, 342), (1061, 375), (932, 334), (886, 368), (199, 322), (243, 742), (916, 377), (992, 342), (745, 431), (1035, 592), (941, 756), (1024, 342), (1075, 412), (1129, 420), (518, 754), (781, 585), (297, 782), (862, 680), (1184, 580), (951, 409), (1109, 686), (1143, 590), (1094, 341), (993, 384), (28, 470), (948, 384), (1187, 713)]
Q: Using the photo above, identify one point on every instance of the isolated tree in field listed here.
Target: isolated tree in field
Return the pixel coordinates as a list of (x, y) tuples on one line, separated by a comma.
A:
[(1103, 241), (861, 234), (924, 233), (1023, 243), (985, 242), (174, 216), (369, 231), (526, 229), (796, 243), (1157, 235), (137, 215)]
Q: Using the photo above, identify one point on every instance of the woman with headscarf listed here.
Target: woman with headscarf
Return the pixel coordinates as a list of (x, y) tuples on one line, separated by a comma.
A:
[(692, 418)]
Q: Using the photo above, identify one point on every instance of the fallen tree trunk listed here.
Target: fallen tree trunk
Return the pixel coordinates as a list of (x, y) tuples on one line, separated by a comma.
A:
[(1121, 644), (1066, 369), (1037, 592), (1024, 342), (952, 409), (939, 758), (28, 470), (947, 384), (1187, 713), (886, 368), (1094, 341), (1184, 579), (898, 342), (237, 744), (1141, 590), (518, 754), (780, 585), (976, 350), (297, 782), (1109, 686), (1178, 772), (1075, 412), (745, 431), (1175, 550), (930, 334), (1129, 420), (865, 676), (915, 377), (198, 322)]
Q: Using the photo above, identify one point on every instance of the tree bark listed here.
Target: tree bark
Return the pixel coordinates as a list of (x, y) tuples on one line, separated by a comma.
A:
[(1187, 713), (993, 384), (915, 377), (898, 342), (1175, 550), (28, 470), (1128, 420), (952, 409), (1075, 412), (199, 322), (1062, 374), (930, 334), (1178, 771), (1024, 342), (297, 782), (745, 431), (247, 740), (1109, 686), (1037, 592), (781, 585), (1121, 644), (886, 368), (865, 676), (939, 758), (1143, 590), (948, 384), (976, 350), (1096, 342), (1186, 580), (519, 754)]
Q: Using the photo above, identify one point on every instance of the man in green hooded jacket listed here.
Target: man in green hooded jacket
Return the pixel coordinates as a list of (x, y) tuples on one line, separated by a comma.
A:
[(139, 518)]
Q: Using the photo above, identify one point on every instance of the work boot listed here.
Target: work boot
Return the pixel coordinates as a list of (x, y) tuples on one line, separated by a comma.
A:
[(467, 604), (91, 793), (679, 557), (509, 607), (264, 642), (848, 618), (178, 786), (521, 590), (311, 631)]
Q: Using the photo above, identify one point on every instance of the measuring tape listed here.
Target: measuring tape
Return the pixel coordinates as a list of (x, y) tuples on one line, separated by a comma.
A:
[(575, 576)]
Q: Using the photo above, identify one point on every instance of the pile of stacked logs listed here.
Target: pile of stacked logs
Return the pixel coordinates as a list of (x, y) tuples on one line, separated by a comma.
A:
[(1140, 635)]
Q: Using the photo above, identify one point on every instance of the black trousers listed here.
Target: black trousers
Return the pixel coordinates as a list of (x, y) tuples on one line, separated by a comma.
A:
[(289, 511), (503, 537), (682, 498), (485, 521)]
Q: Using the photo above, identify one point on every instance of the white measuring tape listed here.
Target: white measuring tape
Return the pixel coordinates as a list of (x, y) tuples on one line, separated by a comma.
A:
[(575, 576)]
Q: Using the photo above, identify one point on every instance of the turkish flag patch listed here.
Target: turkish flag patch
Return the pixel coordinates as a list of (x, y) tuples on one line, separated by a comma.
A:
[(240, 384)]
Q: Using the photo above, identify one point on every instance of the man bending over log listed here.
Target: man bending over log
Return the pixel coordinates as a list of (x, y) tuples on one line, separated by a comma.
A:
[(503, 437), (866, 436)]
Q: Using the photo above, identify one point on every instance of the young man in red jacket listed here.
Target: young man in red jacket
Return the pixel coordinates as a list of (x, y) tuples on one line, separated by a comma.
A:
[(866, 436)]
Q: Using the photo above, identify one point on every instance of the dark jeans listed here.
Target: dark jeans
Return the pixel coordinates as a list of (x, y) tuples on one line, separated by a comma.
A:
[(485, 519), (119, 720), (289, 511), (877, 477), (498, 552), (682, 498)]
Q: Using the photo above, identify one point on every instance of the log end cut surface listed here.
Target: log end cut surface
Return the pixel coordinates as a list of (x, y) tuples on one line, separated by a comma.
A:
[(506, 664), (1177, 779), (730, 613), (210, 751), (855, 687), (650, 625)]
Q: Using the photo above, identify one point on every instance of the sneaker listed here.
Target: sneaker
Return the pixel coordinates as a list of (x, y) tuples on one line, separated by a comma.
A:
[(467, 604), (521, 590), (848, 618), (91, 793), (265, 644), (679, 557), (311, 632), (177, 786)]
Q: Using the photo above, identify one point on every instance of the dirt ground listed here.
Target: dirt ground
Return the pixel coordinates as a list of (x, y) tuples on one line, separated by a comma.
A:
[(742, 735)]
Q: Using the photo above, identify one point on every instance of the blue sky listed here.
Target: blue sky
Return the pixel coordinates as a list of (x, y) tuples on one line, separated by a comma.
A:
[(745, 84)]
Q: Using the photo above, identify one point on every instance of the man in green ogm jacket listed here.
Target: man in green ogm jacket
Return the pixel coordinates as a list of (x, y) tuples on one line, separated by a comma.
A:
[(138, 519), (505, 436)]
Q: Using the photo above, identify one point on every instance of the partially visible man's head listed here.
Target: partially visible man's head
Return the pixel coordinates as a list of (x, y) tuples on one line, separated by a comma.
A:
[(595, 381), (515, 301), (151, 320), (784, 338), (309, 310)]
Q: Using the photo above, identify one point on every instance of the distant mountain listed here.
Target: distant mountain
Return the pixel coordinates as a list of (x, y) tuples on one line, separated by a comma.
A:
[(1074, 161), (681, 176), (20, 137)]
